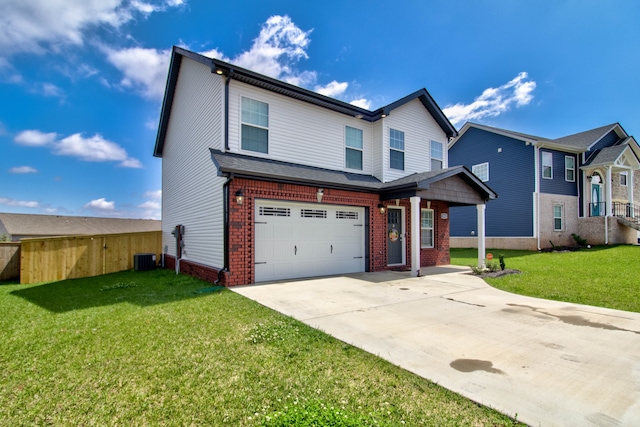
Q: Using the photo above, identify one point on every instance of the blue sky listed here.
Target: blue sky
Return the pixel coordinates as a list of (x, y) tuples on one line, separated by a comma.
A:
[(81, 81)]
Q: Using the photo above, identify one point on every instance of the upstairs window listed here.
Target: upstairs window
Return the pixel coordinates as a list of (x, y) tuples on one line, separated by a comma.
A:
[(396, 151), (481, 171), (623, 179), (255, 125), (569, 168), (437, 159), (547, 165), (426, 228), (353, 148)]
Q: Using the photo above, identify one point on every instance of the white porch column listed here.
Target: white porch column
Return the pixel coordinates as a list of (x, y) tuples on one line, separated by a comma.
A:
[(607, 185), (481, 235), (630, 188), (415, 236)]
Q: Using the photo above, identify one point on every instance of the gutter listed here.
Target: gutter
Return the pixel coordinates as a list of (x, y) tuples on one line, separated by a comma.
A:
[(225, 209), (226, 110)]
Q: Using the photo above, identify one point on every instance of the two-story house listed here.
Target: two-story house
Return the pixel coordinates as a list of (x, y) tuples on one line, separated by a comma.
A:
[(581, 184), (263, 180)]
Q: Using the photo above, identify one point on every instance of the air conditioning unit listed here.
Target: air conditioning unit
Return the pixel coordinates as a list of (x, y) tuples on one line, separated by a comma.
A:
[(144, 262)]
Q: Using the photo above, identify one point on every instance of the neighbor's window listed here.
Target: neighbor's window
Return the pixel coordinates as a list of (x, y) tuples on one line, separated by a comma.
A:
[(437, 159), (623, 178), (569, 168), (396, 149), (426, 228), (353, 148), (255, 125), (547, 165), (481, 171), (558, 217)]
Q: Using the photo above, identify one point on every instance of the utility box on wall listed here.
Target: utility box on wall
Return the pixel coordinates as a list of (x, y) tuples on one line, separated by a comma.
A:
[(144, 262)]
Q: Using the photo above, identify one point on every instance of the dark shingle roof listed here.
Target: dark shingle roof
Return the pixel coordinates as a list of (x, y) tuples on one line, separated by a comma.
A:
[(57, 225), (255, 167), (606, 156), (584, 140)]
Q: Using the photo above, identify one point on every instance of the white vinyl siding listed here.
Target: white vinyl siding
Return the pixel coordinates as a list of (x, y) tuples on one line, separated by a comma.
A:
[(299, 132), (569, 168), (191, 189), (353, 148), (396, 151), (547, 165), (426, 228), (419, 129), (437, 157), (481, 171), (558, 217)]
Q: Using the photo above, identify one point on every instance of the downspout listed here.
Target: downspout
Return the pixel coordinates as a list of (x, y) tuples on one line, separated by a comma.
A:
[(226, 110), (225, 216), (536, 162)]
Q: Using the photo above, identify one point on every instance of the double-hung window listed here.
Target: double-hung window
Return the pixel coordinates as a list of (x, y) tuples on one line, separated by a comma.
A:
[(547, 165), (353, 148), (481, 171), (396, 149), (437, 159), (255, 125), (558, 217), (569, 168), (426, 228)]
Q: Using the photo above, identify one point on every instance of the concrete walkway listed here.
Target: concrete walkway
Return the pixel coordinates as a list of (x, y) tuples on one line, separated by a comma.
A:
[(551, 363)]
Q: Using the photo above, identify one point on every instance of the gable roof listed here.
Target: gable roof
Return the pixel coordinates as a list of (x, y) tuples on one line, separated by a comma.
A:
[(240, 166), (56, 225), (234, 72), (611, 156), (576, 143)]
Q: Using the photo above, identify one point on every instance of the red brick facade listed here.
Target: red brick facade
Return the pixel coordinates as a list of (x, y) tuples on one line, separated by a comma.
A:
[(241, 228)]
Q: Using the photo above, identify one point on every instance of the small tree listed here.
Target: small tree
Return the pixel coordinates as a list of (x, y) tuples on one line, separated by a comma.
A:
[(4, 238)]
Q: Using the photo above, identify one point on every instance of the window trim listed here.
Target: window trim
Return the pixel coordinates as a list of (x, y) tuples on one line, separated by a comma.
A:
[(348, 147), (432, 228), (567, 169), (431, 158), (398, 150), (626, 179), (253, 125), (478, 166), (561, 217), (550, 165)]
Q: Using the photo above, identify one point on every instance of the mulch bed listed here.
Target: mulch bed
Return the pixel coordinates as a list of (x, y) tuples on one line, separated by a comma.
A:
[(498, 273)]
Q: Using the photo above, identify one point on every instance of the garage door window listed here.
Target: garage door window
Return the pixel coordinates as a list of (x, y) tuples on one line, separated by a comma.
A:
[(313, 213), (269, 211)]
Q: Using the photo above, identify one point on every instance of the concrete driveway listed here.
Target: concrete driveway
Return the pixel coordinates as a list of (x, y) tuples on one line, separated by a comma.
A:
[(551, 363)]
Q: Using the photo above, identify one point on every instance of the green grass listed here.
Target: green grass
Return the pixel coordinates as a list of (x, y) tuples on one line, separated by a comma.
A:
[(147, 348), (604, 276)]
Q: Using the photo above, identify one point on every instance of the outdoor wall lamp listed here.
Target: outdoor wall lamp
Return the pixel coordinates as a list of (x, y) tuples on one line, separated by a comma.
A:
[(319, 195), (239, 197), (382, 209)]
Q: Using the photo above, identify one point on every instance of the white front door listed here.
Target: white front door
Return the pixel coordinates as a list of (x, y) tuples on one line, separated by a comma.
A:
[(307, 239)]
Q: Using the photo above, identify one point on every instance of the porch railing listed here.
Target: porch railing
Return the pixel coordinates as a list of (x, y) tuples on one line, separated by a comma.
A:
[(598, 209), (626, 210)]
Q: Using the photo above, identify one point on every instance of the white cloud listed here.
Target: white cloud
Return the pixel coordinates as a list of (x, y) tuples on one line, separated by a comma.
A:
[(35, 138), (144, 69), (38, 26), (155, 195), (149, 204), (494, 101), (92, 149), (332, 89), (100, 204), (362, 103), (23, 169), (18, 203)]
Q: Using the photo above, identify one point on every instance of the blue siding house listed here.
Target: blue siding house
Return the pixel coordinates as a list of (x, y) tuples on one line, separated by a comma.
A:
[(549, 189)]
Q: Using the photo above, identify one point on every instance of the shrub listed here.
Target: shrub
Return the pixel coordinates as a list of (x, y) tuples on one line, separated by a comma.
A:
[(502, 265), (579, 240)]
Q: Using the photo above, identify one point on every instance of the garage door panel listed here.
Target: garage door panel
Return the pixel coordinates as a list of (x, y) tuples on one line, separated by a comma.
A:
[(302, 240)]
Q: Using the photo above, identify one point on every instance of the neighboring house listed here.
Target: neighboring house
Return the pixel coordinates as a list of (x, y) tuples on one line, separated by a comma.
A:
[(21, 226), (583, 184), (263, 180)]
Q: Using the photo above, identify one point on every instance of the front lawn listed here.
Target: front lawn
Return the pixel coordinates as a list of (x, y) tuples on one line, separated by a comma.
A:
[(604, 276), (153, 348)]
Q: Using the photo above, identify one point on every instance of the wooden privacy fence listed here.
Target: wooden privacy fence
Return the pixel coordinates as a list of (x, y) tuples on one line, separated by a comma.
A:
[(9, 260), (58, 258)]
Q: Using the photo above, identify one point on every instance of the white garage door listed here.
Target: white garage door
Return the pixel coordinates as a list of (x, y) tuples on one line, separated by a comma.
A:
[(303, 239)]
